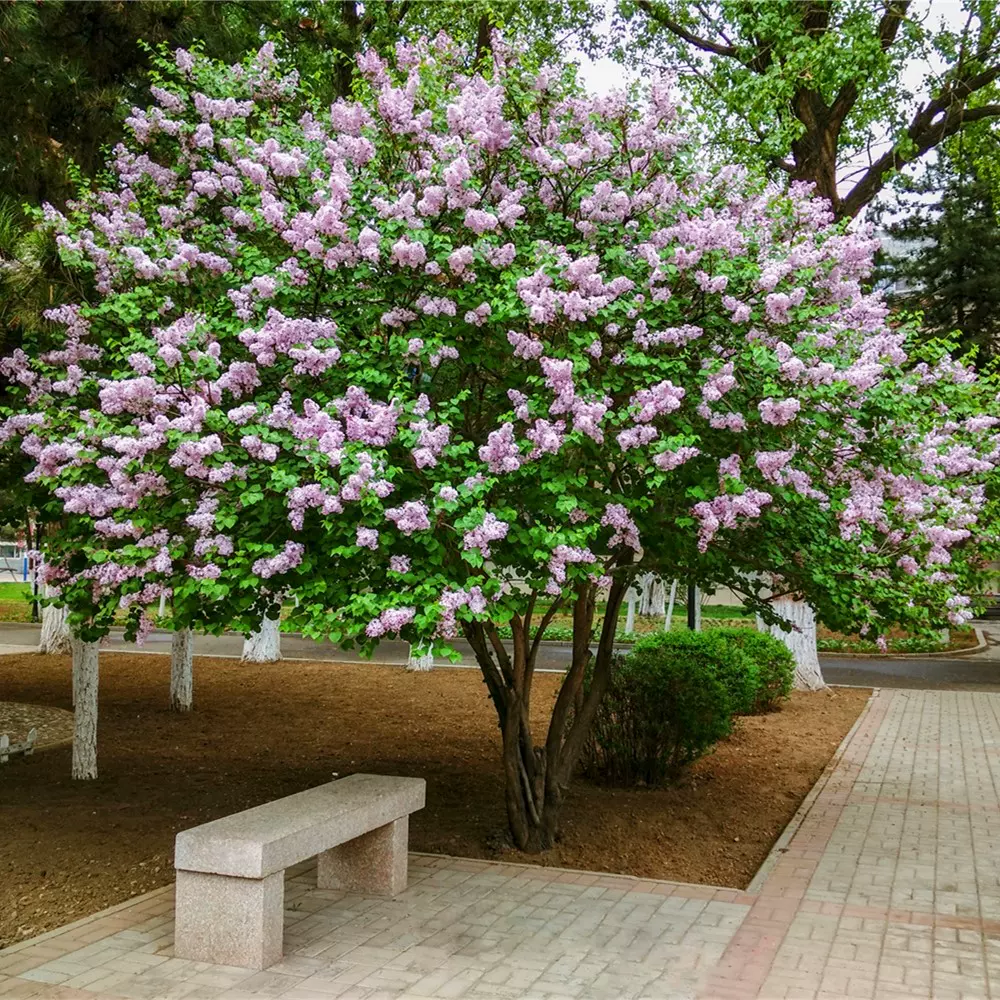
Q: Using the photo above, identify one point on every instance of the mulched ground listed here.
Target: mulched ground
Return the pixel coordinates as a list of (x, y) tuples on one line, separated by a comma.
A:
[(52, 725), (259, 732)]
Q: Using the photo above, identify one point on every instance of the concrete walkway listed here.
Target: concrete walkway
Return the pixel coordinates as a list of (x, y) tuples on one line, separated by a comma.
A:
[(886, 885)]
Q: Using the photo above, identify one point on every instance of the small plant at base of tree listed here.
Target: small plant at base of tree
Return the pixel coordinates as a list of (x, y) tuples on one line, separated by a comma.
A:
[(670, 700), (775, 666)]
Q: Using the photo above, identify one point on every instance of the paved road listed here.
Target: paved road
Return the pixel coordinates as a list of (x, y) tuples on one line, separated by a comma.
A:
[(980, 672)]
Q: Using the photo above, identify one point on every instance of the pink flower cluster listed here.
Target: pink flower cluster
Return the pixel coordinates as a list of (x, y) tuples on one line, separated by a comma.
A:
[(491, 530), (284, 562)]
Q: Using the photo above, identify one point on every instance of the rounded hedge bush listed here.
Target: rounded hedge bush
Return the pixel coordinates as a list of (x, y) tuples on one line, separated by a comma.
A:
[(670, 699), (775, 667)]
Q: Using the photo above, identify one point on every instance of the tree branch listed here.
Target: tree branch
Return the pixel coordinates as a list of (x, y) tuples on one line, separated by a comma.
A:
[(705, 44), (888, 28), (875, 176)]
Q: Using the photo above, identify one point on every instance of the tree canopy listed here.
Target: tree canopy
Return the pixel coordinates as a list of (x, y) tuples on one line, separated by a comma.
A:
[(944, 256), (819, 90), (468, 348)]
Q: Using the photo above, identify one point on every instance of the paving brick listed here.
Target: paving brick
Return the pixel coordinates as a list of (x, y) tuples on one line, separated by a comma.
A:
[(889, 889)]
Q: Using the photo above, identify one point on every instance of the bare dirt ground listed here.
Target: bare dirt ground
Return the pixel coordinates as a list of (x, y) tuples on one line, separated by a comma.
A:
[(260, 732)]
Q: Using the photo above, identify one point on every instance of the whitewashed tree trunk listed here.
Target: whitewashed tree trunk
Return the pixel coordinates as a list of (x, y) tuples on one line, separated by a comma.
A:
[(668, 615), (630, 614), (646, 593), (181, 670), (55, 636), (657, 598), (801, 640), (264, 645), (85, 684), (420, 658)]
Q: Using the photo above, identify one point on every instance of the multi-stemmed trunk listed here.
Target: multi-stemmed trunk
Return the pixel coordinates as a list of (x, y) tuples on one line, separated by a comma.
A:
[(537, 775), (421, 658)]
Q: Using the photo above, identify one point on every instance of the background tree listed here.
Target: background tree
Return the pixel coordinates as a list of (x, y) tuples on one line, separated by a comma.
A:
[(817, 89), (944, 258), (77, 67)]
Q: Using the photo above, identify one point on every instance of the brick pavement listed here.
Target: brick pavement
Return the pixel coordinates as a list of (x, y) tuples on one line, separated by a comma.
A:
[(887, 885)]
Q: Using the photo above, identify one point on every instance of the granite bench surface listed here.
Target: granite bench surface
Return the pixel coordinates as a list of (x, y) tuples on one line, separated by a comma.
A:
[(268, 838)]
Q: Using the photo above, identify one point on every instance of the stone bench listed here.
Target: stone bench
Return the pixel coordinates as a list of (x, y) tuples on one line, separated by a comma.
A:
[(231, 872)]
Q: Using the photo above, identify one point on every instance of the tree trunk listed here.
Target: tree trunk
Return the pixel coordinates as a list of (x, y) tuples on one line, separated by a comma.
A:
[(657, 598), (801, 640), (264, 645), (181, 672), (669, 613), (420, 658), (694, 608), (85, 684), (536, 777), (646, 594), (55, 636)]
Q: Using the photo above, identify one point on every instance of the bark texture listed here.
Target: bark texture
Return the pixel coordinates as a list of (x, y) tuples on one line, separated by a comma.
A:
[(181, 670), (85, 685), (801, 641), (55, 636)]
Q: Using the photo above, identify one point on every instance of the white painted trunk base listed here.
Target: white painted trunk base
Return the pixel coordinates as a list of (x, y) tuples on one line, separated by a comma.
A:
[(630, 614), (420, 658), (801, 641), (55, 636), (668, 614), (181, 671), (264, 645), (85, 685)]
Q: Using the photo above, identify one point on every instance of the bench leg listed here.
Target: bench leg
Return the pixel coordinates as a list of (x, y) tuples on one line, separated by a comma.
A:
[(229, 921), (373, 864)]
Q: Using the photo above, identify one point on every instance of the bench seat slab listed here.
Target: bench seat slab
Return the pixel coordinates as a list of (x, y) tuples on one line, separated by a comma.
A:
[(278, 834), (373, 864), (228, 920)]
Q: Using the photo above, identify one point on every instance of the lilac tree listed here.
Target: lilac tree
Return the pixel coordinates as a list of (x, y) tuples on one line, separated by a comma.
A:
[(467, 351)]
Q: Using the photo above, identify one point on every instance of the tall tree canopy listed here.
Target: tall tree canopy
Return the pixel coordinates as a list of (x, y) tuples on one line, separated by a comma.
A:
[(818, 89), (464, 350), (945, 256), (77, 67)]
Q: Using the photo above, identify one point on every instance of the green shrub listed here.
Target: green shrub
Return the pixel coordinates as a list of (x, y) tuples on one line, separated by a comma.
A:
[(671, 698), (774, 663)]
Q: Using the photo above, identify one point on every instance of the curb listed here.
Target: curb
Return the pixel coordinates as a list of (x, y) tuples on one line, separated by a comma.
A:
[(786, 835), (981, 645)]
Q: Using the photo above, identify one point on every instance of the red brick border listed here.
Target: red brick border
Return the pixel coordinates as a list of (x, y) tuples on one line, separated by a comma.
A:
[(748, 958)]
